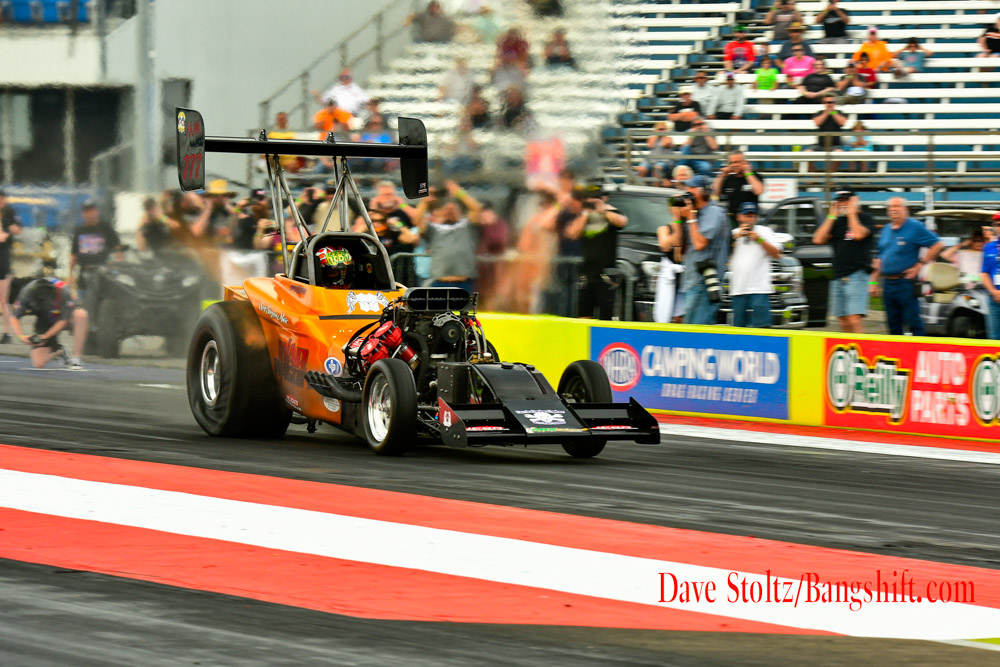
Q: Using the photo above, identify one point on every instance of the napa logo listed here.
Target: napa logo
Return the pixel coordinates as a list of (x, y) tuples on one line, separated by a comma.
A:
[(852, 385), (985, 389), (621, 363)]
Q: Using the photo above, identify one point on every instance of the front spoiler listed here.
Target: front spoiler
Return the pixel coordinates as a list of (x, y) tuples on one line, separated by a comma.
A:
[(472, 425)]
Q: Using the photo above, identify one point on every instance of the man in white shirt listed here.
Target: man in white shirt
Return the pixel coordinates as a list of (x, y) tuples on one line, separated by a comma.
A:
[(702, 92), (727, 102), (750, 269), (349, 95)]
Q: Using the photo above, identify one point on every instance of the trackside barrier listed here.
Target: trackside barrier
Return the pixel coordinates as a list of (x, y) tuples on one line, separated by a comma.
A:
[(944, 387)]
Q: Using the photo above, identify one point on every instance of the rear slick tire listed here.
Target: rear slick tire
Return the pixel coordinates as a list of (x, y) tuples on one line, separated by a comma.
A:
[(585, 382), (389, 407), (231, 386)]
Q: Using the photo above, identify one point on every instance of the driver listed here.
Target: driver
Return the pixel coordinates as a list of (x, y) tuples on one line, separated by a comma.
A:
[(336, 267), (50, 301)]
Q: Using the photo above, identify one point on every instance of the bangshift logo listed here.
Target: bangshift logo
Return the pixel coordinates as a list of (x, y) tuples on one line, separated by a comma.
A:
[(621, 363)]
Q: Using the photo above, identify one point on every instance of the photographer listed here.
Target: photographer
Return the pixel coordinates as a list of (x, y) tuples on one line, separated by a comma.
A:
[(597, 227), (217, 214), (750, 282), (254, 209), (737, 184), (707, 250), (851, 235)]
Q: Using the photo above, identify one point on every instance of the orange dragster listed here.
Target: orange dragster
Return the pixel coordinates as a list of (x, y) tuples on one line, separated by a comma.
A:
[(335, 339)]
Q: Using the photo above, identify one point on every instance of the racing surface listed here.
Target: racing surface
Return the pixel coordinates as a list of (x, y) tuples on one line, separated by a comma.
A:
[(928, 509)]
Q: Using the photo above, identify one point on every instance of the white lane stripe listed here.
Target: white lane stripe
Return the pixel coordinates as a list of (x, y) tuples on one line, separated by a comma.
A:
[(860, 446), (578, 571)]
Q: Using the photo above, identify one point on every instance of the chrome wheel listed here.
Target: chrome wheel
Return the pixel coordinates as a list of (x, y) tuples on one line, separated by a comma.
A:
[(211, 378), (379, 409)]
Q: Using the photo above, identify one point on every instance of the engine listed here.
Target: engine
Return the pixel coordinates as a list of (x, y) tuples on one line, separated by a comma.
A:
[(386, 341)]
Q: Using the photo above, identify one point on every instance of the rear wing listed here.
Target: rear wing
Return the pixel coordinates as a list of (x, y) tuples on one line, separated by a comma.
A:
[(192, 144)]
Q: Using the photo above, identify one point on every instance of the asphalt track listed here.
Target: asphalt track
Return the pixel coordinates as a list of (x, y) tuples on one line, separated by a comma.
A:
[(935, 510)]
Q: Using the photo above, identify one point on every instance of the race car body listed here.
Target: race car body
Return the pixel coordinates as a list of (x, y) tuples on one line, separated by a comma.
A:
[(335, 339)]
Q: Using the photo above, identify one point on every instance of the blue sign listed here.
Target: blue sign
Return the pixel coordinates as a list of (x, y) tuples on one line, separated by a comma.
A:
[(723, 374)]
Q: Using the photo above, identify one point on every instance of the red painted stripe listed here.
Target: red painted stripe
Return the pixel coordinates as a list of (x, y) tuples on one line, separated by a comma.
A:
[(328, 584), (834, 433), (744, 553)]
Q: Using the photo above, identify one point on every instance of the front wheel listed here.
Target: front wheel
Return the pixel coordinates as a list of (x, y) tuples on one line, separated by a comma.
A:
[(389, 407), (585, 382)]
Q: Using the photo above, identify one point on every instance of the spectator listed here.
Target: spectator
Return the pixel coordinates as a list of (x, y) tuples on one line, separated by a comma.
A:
[(10, 226), (990, 275), (796, 33), (348, 95), (766, 78), (513, 50), (290, 163), (967, 257), (989, 42), (851, 234), (463, 151), (701, 144), (546, 8), (486, 26), (750, 281), (668, 304), (701, 91), (798, 66), (728, 101), (494, 234), (739, 55), (451, 237), (860, 143), (393, 231), (879, 56), (332, 118), (431, 25), (829, 120), (536, 245), (707, 243), (478, 110), (681, 173), (835, 21), (373, 112), (253, 216), (50, 300), (737, 184), (93, 242), (898, 265), (814, 87), (660, 159), (561, 299), (514, 114), (458, 83), (507, 76), (686, 112), (374, 132), (596, 226), (156, 232), (911, 58), (217, 217), (557, 51), (781, 16), (866, 72), (852, 86)]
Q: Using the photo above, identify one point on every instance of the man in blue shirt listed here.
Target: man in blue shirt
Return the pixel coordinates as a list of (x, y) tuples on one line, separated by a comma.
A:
[(708, 248), (991, 281), (898, 264)]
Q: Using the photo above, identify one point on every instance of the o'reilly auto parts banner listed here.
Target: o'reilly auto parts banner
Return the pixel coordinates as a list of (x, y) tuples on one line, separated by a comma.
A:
[(696, 372), (910, 386)]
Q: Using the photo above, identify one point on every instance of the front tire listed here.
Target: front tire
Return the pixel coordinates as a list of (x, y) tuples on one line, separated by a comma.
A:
[(585, 382), (389, 407), (230, 382)]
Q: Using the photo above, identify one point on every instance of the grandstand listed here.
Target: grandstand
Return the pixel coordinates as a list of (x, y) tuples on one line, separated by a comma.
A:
[(956, 92)]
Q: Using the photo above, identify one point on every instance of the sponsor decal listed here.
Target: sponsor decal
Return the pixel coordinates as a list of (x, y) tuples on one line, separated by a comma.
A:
[(446, 419), (331, 404), (611, 427), (292, 402), (936, 389), (473, 429), (553, 429), (447, 415), (297, 289), (181, 120), (280, 318), (333, 366), (366, 302), (292, 360), (544, 417), (745, 375)]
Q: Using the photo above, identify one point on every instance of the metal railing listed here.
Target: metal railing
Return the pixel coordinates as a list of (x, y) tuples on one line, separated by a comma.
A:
[(371, 33), (927, 174)]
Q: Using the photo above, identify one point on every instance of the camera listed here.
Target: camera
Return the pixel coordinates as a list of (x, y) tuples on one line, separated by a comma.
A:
[(710, 273), (589, 191), (680, 201)]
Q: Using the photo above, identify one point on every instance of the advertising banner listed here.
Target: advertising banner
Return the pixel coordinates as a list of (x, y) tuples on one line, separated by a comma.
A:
[(917, 387), (724, 374)]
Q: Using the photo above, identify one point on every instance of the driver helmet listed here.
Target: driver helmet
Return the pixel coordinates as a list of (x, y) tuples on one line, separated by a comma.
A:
[(335, 266)]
